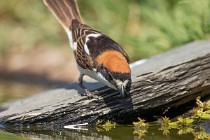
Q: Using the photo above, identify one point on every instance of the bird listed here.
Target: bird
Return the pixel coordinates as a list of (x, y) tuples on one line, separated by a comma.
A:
[(97, 55)]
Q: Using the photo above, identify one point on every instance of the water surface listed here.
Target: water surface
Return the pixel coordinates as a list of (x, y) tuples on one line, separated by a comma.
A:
[(121, 132)]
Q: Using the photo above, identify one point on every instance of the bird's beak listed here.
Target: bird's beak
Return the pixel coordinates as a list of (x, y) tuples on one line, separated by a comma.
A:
[(122, 90)]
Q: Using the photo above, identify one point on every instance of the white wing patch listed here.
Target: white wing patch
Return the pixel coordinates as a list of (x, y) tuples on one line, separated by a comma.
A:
[(92, 35), (75, 46), (86, 49), (87, 39), (69, 34)]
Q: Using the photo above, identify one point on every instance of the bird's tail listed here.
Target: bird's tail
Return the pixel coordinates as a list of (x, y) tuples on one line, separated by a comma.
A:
[(65, 11)]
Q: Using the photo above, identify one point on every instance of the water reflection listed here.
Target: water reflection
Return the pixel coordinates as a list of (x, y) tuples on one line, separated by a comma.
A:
[(118, 133)]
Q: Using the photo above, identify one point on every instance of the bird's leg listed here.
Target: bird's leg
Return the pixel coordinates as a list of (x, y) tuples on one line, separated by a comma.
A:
[(86, 91)]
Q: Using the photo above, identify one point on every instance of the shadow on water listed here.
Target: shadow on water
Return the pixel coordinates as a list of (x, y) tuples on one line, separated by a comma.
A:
[(118, 133)]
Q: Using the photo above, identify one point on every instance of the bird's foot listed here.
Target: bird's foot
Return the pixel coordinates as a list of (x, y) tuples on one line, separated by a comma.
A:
[(90, 94)]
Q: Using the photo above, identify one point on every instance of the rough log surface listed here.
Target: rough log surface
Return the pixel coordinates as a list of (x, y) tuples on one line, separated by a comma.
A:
[(161, 84)]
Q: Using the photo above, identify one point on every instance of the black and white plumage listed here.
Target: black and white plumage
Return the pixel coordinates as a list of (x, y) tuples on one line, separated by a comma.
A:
[(96, 54)]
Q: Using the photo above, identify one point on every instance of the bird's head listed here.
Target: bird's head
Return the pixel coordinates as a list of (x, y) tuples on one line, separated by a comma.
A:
[(122, 81), (115, 69)]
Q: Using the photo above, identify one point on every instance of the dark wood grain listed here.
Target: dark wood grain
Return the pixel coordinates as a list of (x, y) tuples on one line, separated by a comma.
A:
[(161, 84)]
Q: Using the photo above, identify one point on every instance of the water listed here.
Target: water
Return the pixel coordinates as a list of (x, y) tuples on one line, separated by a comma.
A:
[(8, 136), (121, 132)]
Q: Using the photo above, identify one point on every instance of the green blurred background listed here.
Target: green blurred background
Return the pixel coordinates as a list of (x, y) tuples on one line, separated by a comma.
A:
[(143, 27)]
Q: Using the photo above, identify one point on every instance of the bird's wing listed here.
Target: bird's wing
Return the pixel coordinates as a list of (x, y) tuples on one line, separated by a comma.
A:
[(89, 44)]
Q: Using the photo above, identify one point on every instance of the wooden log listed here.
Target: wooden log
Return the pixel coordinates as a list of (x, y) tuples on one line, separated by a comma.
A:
[(161, 84)]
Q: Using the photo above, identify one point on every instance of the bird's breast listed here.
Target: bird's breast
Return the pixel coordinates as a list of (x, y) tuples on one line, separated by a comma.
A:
[(95, 75)]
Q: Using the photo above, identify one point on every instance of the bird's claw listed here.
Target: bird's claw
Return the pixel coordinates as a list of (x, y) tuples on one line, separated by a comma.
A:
[(90, 94)]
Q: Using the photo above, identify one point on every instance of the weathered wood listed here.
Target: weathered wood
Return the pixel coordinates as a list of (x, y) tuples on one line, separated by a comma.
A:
[(160, 84)]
